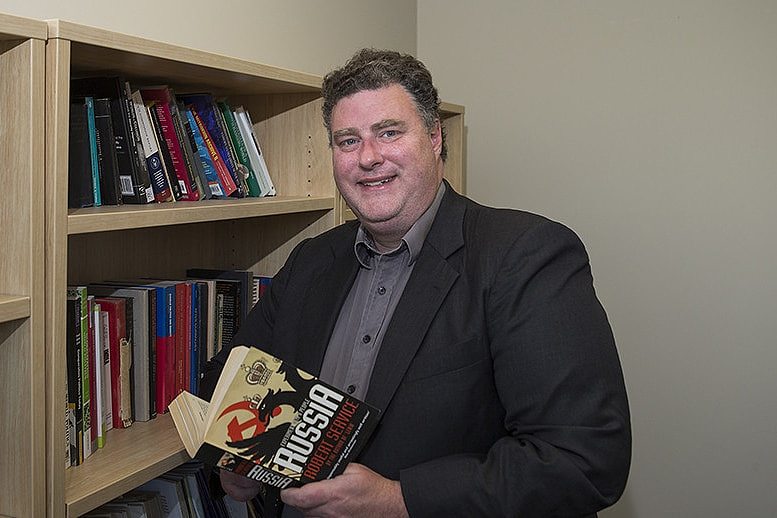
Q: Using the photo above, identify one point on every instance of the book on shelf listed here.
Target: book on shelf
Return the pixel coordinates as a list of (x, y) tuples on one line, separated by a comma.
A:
[(212, 128), (81, 348), (208, 168), (94, 160), (74, 409), (134, 180), (164, 151), (239, 146), (143, 344), (223, 174), (151, 153), (272, 422), (166, 112), (96, 374), (244, 277), (119, 313), (110, 189), (79, 186), (246, 127)]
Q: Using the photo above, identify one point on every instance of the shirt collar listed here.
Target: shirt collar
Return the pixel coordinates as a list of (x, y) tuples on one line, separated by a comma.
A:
[(413, 240)]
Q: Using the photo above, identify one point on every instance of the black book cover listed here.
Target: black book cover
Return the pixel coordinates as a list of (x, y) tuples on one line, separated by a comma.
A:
[(110, 189), (79, 185)]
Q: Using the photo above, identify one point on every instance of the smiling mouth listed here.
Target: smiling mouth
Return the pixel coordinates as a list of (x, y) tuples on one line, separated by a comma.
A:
[(377, 182)]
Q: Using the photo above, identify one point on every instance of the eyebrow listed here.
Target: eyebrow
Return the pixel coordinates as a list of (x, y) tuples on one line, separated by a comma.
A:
[(385, 123)]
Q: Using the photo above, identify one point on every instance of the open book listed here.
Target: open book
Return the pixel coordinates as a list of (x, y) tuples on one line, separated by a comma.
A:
[(272, 422)]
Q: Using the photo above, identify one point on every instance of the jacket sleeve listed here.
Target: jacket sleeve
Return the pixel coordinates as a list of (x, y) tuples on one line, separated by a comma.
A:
[(567, 446)]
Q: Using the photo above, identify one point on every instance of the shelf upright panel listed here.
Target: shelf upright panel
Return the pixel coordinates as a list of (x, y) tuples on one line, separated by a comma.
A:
[(22, 376)]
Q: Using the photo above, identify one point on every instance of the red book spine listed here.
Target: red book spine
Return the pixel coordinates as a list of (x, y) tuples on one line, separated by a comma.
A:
[(117, 324), (180, 338), (162, 108)]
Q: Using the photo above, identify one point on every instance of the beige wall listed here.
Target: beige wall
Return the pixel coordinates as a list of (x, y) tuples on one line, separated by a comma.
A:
[(651, 129), (306, 35)]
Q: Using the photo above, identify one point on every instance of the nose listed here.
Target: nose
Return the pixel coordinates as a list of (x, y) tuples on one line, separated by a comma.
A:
[(369, 154)]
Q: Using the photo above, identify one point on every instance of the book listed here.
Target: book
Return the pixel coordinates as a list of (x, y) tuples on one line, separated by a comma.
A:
[(79, 185), (164, 151), (98, 394), (208, 169), (132, 174), (153, 158), (143, 343), (95, 162), (241, 152), (212, 122), (246, 127), (166, 111), (74, 419), (244, 277), (79, 293), (121, 358), (272, 422), (224, 177), (110, 189)]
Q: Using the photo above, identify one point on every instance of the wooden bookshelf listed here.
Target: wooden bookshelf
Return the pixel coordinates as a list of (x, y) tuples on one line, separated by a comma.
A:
[(61, 246), (22, 374), (163, 240)]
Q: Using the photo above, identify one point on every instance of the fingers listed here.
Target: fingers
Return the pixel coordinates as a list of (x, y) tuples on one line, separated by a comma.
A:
[(238, 487)]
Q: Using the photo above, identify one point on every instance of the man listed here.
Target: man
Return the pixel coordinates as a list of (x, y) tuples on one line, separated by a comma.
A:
[(475, 330)]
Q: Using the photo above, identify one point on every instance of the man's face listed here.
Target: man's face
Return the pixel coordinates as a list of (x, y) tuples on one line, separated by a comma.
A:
[(386, 161)]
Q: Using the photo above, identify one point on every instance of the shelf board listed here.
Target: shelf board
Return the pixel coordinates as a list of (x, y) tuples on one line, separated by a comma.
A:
[(130, 457), (123, 217), (13, 307), (95, 50), (15, 27)]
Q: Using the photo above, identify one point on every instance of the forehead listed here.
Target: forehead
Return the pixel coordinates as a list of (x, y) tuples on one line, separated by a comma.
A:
[(369, 106)]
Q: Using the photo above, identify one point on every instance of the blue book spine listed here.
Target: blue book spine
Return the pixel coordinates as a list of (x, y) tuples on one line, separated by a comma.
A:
[(207, 162), (194, 352)]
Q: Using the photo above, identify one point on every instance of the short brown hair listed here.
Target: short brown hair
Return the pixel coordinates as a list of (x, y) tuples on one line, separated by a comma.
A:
[(371, 69)]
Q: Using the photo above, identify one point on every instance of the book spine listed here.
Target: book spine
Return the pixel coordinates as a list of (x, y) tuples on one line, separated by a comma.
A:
[(141, 190), (98, 394), (152, 353), (107, 370), (192, 164), (85, 389), (110, 189), (164, 104), (240, 148), (160, 186), (164, 151), (224, 176), (73, 358), (208, 168), (93, 150)]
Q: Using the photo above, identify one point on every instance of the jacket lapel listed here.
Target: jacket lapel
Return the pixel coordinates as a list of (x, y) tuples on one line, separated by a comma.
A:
[(424, 293), (329, 291)]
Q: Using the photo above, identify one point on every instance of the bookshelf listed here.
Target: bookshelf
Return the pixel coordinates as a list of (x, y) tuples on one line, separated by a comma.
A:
[(22, 376), (163, 240)]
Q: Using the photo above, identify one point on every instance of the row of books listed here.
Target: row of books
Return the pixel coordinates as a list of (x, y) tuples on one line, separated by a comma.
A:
[(133, 346), (183, 492), (148, 144)]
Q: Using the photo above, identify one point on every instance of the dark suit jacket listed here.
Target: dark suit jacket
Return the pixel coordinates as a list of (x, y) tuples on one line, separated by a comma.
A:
[(498, 377)]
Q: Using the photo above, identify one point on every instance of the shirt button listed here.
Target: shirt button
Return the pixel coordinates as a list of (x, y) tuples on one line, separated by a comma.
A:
[(382, 290), (366, 339), (351, 389)]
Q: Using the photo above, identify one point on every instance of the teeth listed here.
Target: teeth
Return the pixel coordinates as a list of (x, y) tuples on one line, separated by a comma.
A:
[(373, 184)]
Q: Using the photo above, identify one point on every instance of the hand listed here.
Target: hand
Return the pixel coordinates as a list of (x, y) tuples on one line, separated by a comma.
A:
[(240, 488), (358, 492)]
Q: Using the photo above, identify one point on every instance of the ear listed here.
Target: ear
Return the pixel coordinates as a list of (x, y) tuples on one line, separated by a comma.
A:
[(436, 137)]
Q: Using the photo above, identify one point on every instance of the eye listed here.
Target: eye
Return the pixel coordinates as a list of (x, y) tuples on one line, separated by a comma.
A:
[(392, 133), (346, 143)]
